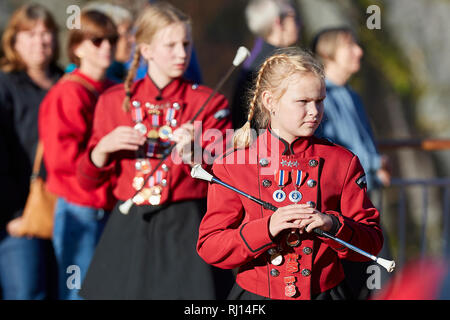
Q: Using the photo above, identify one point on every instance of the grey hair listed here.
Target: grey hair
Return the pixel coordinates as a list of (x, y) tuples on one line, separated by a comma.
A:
[(261, 14), (116, 13)]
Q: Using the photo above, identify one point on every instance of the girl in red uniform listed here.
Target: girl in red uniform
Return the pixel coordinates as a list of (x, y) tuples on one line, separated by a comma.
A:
[(314, 183), (149, 253), (65, 122)]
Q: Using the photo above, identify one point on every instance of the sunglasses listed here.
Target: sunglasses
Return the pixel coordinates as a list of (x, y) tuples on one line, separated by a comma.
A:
[(97, 41)]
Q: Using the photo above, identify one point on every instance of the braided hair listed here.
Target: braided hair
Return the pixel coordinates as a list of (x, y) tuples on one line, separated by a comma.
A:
[(154, 18), (272, 76)]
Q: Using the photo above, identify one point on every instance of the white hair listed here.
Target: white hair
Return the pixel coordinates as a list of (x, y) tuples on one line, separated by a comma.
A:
[(116, 13), (261, 14)]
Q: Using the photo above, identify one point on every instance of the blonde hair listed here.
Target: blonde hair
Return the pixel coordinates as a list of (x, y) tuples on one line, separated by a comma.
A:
[(271, 77), (154, 18)]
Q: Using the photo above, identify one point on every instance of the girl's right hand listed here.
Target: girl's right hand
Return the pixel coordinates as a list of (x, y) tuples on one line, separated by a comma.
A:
[(121, 138), (288, 217), (299, 216)]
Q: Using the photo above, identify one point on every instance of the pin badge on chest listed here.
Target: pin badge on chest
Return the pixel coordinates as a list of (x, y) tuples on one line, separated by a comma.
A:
[(276, 259)]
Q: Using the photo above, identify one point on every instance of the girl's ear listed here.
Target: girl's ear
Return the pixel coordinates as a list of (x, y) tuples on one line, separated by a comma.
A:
[(267, 101), (146, 51)]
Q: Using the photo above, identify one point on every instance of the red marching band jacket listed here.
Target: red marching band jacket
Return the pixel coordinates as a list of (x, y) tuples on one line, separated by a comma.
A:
[(159, 111), (234, 232)]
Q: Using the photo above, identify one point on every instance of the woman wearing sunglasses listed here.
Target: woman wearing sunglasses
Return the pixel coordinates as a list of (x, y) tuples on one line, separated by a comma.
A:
[(65, 121)]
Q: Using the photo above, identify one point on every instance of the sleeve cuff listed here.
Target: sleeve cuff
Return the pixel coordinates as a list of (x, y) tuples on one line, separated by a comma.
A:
[(88, 171), (255, 235), (342, 231)]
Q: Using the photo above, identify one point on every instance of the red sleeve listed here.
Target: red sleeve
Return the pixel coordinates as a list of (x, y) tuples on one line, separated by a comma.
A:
[(64, 127), (213, 122), (89, 176), (224, 241), (358, 217)]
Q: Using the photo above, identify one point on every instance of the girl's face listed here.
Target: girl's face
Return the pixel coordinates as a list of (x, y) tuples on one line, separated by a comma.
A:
[(299, 110), (169, 53), (35, 46)]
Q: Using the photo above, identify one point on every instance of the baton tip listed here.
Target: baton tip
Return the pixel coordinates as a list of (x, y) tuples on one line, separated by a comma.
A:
[(241, 55), (389, 265)]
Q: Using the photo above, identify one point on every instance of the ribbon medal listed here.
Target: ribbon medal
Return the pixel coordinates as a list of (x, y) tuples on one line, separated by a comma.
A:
[(295, 196), (153, 133), (281, 177)]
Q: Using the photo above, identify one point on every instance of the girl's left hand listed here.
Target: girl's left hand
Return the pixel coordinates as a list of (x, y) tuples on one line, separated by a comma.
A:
[(183, 136), (317, 219)]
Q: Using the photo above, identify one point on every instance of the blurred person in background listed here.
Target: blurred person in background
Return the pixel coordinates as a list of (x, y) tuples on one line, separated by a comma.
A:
[(193, 71), (123, 19), (65, 123), (276, 24), (28, 71), (345, 120), (346, 123)]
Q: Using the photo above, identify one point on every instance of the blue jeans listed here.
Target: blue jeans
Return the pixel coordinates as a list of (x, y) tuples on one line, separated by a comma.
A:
[(76, 232), (25, 268)]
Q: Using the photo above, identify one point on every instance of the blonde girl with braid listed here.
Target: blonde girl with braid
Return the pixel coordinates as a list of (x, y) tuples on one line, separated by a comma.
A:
[(312, 182), (149, 253)]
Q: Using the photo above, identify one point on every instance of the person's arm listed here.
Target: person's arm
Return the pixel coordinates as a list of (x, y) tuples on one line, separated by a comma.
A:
[(224, 240), (108, 137), (359, 219)]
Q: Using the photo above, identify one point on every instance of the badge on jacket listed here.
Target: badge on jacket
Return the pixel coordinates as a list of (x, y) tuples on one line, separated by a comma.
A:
[(362, 181)]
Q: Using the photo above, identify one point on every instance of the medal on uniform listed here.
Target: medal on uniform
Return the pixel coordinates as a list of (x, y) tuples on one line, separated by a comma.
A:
[(295, 195), (142, 196), (136, 113), (165, 132), (170, 116), (138, 116), (153, 132), (281, 177), (138, 182), (292, 263), (155, 188), (293, 238), (155, 198), (290, 290), (143, 165), (140, 127), (151, 149)]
